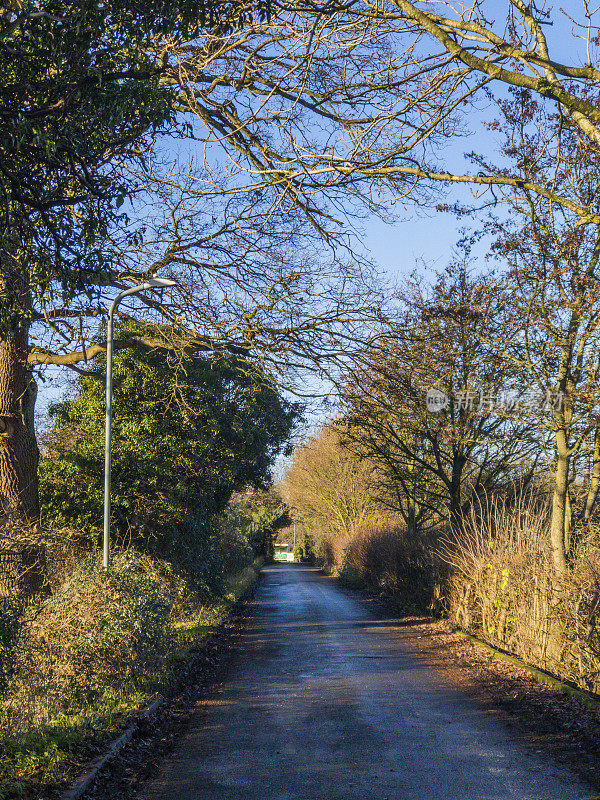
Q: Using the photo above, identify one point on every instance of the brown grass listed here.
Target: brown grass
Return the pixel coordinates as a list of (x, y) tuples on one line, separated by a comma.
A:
[(386, 557), (503, 588), (494, 579)]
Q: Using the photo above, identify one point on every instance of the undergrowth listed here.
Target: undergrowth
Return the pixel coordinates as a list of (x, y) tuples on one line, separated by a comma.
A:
[(91, 655), (493, 577)]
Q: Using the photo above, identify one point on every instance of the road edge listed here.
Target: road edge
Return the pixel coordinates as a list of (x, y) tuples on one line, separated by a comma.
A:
[(589, 699), (190, 668)]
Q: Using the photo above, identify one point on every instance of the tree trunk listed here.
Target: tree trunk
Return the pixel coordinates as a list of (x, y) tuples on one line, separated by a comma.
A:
[(456, 515), (19, 455), (587, 455), (411, 514), (454, 489), (559, 505), (568, 524), (18, 447), (594, 484)]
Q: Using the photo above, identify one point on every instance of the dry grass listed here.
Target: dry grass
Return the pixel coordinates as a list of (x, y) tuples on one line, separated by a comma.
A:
[(386, 557), (503, 588), (494, 579)]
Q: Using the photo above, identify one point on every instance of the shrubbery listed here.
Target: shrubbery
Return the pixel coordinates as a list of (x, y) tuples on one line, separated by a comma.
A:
[(187, 434), (383, 556), (503, 588), (494, 577), (95, 634), (402, 566), (90, 655)]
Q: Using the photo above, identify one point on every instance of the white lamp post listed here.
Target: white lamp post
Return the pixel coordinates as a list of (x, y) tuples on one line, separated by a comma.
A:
[(151, 283)]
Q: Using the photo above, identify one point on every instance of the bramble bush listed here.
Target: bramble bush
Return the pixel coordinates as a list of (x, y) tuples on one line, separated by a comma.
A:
[(92, 654), (96, 633)]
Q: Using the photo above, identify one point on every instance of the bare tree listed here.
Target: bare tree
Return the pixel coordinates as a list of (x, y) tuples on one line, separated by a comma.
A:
[(552, 292), (358, 103), (251, 278), (330, 489), (445, 457)]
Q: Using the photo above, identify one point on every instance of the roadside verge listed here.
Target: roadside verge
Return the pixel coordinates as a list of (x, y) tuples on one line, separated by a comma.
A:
[(194, 663), (85, 750)]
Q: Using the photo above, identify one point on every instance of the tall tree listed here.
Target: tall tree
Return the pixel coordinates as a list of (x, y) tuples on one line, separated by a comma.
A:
[(188, 432), (79, 95), (439, 458), (329, 489), (552, 290)]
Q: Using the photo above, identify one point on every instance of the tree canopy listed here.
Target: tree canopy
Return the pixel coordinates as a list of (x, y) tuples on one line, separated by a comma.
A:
[(187, 434)]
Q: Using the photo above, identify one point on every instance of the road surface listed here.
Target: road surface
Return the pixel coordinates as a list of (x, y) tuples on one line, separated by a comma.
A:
[(323, 701)]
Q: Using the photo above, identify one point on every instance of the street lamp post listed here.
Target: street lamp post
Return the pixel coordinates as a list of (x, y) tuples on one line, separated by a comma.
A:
[(151, 283)]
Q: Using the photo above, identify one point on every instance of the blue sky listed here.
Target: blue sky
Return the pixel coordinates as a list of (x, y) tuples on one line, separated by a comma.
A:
[(417, 240), (400, 247)]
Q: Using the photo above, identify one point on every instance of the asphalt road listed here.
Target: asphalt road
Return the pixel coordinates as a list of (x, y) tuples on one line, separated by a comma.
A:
[(323, 701)]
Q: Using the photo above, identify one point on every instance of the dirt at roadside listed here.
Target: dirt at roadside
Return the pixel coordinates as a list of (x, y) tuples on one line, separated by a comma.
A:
[(545, 719)]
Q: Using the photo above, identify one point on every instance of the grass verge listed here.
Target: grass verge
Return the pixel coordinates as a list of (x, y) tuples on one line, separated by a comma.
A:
[(36, 761)]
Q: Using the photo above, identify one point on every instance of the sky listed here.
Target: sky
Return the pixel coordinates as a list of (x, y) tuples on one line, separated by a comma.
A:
[(401, 247), (418, 240)]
